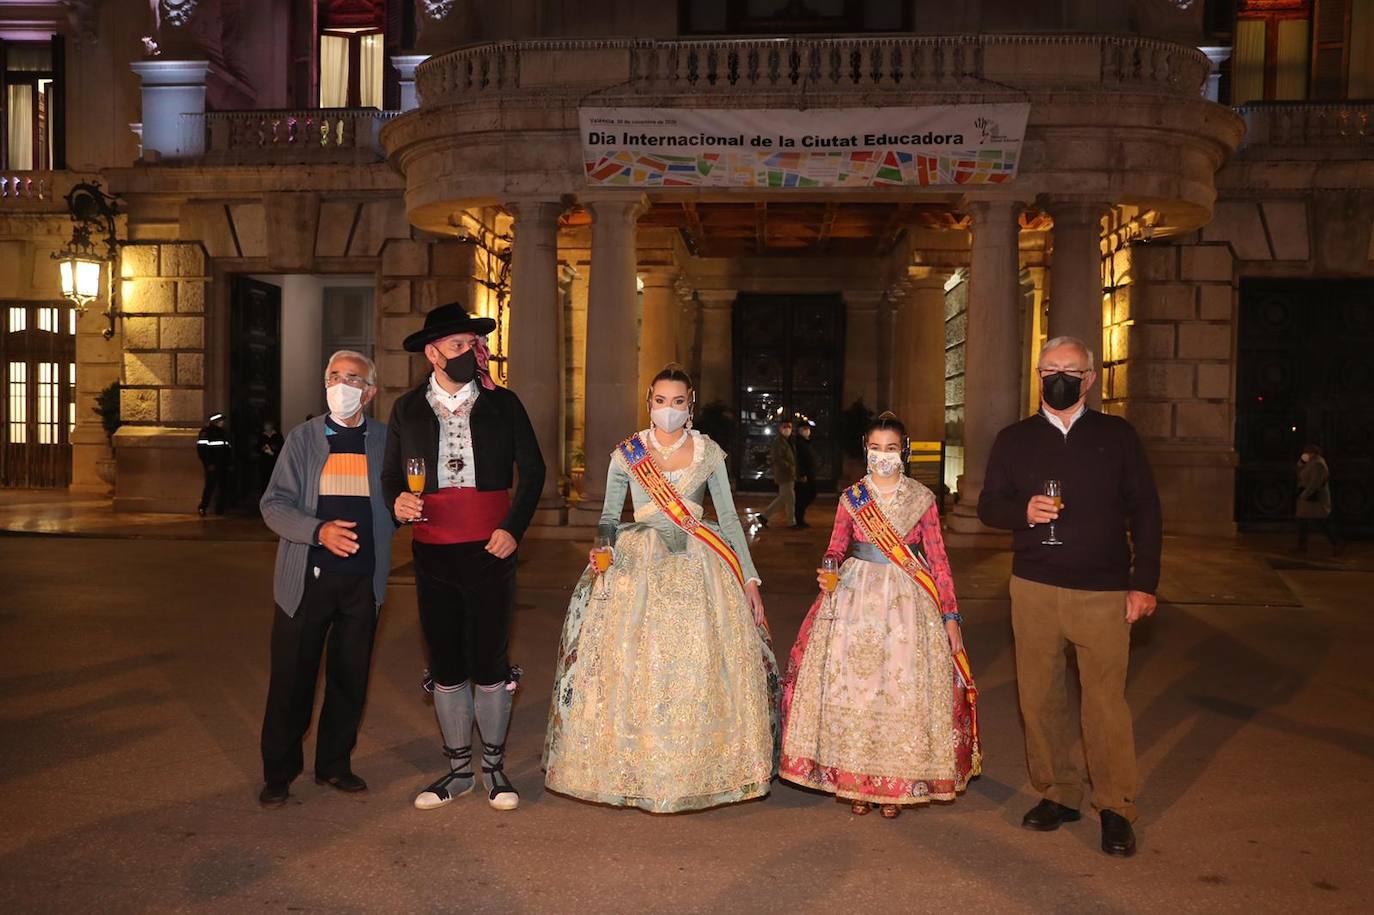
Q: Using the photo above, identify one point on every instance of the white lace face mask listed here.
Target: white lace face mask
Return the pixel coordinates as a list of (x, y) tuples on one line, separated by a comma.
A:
[(884, 463), (669, 419)]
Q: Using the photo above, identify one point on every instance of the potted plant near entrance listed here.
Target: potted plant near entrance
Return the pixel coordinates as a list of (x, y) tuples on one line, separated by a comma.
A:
[(107, 408)]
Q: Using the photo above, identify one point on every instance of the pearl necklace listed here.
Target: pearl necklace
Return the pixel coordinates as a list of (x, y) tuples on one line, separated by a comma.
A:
[(665, 453)]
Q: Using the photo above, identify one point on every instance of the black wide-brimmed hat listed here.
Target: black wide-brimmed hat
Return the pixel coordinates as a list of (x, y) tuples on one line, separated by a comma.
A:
[(445, 321)]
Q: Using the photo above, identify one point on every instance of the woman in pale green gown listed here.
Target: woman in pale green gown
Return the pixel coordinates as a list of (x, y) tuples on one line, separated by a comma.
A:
[(665, 693)]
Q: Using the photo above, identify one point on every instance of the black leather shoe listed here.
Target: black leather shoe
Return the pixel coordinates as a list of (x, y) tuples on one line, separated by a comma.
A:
[(274, 794), (1047, 816), (1118, 838), (346, 782)]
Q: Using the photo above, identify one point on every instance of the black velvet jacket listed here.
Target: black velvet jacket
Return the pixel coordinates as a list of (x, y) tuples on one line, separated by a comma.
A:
[(502, 441)]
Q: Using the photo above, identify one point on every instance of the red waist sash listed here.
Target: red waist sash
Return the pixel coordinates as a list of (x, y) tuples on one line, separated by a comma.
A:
[(462, 515)]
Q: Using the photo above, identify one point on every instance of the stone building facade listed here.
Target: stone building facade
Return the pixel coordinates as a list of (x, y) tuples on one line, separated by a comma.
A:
[(1145, 212)]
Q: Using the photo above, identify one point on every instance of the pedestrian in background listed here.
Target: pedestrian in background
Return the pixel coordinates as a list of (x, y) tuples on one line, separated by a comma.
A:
[(805, 488), (269, 446), (783, 461), (1314, 499), (216, 458)]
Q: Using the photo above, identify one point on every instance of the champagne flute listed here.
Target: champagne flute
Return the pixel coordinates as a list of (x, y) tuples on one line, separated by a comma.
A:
[(415, 481), (1055, 490), (830, 574), (602, 556)]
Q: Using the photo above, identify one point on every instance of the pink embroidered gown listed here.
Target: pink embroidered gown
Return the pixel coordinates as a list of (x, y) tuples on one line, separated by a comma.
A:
[(872, 707)]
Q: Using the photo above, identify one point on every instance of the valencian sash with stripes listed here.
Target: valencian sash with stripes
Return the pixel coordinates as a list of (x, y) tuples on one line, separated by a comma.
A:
[(868, 515), (642, 467)]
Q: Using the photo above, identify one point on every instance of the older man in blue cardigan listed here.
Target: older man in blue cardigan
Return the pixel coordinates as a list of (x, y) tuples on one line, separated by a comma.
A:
[(325, 502)]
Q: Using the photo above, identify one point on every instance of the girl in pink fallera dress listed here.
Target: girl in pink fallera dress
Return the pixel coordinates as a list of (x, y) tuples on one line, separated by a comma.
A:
[(876, 709)]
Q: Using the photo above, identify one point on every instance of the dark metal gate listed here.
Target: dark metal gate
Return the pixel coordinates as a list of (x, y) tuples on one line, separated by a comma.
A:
[(1305, 374), (789, 361), (254, 378)]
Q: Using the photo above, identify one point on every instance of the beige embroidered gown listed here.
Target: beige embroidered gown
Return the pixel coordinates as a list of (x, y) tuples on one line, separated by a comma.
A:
[(665, 690)]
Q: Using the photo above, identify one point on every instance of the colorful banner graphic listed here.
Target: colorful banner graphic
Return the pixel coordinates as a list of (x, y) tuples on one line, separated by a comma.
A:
[(818, 148)]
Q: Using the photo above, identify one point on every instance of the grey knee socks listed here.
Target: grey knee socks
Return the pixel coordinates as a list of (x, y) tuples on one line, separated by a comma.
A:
[(493, 719), (453, 708)]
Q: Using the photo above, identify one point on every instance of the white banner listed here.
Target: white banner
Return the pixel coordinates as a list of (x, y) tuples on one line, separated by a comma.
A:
[(819, 148)]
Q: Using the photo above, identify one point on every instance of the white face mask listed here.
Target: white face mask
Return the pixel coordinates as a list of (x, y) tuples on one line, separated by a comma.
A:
[(884, 463), (669, 419), (344, 401)]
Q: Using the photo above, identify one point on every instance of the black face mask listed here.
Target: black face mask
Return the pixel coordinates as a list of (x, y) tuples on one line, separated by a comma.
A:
[(460, 369), (1061, 390)]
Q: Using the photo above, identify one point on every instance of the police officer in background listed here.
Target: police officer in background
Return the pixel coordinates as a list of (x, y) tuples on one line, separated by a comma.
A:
[(216, 456)]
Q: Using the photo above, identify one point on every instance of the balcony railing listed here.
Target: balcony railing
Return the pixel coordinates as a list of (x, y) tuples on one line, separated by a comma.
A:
[(846, 65), (35, 191), (330, 136), (1324, 127)]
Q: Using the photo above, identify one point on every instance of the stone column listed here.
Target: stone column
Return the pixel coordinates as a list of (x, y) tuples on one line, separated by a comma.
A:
[(1033, 327), (405, 65), (688, 322), (717, 381), (1216, 55), (534, 352), (887, 328), (919, 359), (1076, 271), (658, 327), (173, 107), (613, 394), (992, 361), (861, 349)]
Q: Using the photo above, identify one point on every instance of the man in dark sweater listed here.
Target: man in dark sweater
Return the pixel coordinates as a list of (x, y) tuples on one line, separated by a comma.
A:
[(1076, 579)]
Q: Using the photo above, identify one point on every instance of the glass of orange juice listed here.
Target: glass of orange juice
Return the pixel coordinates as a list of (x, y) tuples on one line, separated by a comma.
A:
[(415, 479), (602, 557), (830, 574)]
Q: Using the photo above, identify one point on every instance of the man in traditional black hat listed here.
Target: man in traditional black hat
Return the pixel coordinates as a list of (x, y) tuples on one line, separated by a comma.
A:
[(471, 435)]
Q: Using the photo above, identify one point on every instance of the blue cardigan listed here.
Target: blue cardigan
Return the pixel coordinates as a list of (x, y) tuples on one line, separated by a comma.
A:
[(288, 507)]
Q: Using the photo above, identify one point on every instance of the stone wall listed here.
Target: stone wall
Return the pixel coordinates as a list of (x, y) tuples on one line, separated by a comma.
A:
[(162, 402), (1169, 369)]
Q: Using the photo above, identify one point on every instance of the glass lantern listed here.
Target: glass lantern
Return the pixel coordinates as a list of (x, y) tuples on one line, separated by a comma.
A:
[(80, 278)]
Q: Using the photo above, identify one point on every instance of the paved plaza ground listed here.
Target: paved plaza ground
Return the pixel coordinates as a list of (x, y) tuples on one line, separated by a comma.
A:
[(133, 674)]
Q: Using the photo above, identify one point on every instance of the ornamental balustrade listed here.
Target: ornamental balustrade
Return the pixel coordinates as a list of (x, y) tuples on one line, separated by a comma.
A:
[(35, 191), (329, 136), (1322, 126), (856, 65)]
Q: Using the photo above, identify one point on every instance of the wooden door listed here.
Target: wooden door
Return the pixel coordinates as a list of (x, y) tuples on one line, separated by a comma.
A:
[(37, 393)]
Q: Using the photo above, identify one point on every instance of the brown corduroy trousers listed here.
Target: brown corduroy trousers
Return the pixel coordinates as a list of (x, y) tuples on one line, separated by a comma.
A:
[(1046, 619)]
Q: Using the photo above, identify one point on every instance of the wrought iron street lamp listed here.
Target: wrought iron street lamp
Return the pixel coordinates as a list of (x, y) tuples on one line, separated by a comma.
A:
[(79, 264)]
